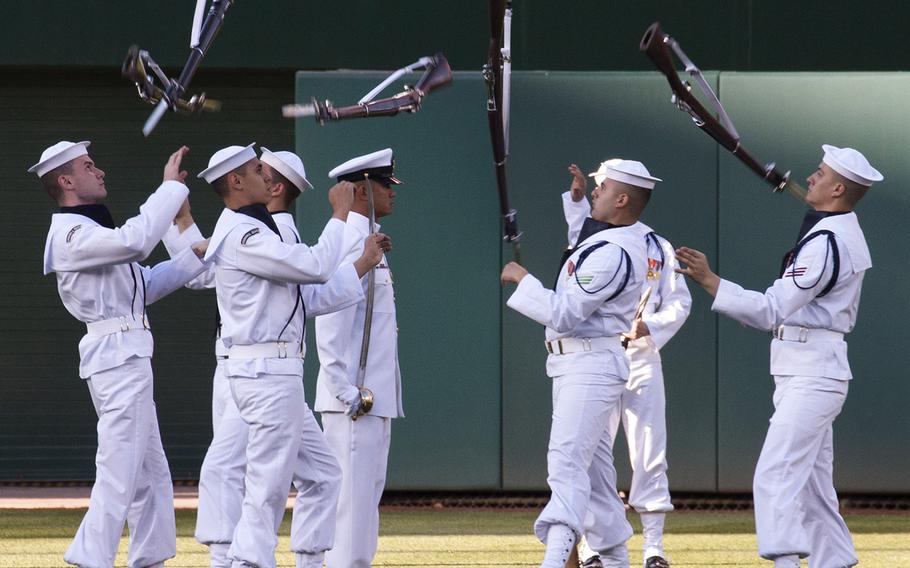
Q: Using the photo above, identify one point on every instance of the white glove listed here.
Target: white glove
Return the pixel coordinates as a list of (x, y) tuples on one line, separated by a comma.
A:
[(351, 399)]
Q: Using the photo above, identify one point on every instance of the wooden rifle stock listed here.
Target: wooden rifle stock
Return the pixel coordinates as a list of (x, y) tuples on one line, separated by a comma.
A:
[(438, 74), (655, 45), (493, 75)]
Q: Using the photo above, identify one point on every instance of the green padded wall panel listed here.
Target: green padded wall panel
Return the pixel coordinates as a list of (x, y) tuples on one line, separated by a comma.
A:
[(585, 118), (445, 261), (787, 117), (47, 424)]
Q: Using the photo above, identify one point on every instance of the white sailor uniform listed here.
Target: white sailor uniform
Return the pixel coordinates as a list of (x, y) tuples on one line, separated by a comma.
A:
[(361, 446), (262, 327), (102, 284), (642, 405), (585, 315), (796, 507)]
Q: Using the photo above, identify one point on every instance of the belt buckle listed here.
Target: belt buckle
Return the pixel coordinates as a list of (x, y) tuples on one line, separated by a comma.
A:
[(282, 349), (586, 343), (803, 334), (124, 324)]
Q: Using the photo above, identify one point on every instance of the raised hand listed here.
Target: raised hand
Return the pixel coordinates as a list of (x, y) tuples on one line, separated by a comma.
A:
[(512, 272), (374, 246), (697, 268), (579, 183), (172, 171), (341, 197)]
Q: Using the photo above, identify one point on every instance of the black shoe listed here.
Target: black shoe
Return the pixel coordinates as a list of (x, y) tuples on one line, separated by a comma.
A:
[(593, 562), (656, 562)]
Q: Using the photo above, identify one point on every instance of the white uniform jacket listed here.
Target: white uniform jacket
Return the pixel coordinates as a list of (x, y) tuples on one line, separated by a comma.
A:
[(253, 270), (340, 291), (339, 335), (670, 300), (98, 277), (793, 301), (175, 241), (578, 307)]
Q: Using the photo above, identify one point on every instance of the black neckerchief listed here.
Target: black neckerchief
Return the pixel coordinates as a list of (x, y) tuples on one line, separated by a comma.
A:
[(811, 219), (590, 227), (97, 212), (273, 213), (260, 212)]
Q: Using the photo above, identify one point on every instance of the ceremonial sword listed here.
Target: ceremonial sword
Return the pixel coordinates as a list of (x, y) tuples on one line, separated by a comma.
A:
[(366, 395), (657, 45), (639, 311)]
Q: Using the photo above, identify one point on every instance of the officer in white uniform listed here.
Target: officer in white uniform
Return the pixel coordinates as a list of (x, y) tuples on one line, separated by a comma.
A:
[(808, 310), (260, 302), (642, 405), (593, 304), (361, 445), (102, 284)]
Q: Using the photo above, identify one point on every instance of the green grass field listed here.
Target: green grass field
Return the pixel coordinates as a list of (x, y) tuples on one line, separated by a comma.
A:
[(457, 537)]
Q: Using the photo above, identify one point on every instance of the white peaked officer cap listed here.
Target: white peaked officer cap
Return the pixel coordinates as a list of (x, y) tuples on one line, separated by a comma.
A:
[(289, 165), (851, 164), (59, 154), (377, 165), (227, 160), (625, 171)]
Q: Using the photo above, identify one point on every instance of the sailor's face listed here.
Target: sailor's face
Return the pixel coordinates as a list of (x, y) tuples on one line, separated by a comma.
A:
[(383, 198), (256, 183), (820, 183), (87, 180), (603, 198), (268, 174)]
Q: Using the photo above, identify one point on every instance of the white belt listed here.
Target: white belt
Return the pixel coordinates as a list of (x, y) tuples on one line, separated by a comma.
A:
[(274, 350), (115, 325), (566, 345), (805, 334), (221, 350)]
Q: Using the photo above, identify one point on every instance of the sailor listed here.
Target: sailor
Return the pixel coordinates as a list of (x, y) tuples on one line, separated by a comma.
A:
[(101, 284), (592, 305), (256, 280), (358, 434), (642, 405), (808, 310)]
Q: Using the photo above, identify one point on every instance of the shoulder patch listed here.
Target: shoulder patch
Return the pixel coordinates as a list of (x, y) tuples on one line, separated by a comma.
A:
[(69, 235), (248, 234)]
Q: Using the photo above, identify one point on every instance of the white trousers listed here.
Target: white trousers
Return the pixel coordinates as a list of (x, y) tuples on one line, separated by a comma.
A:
[(642, 411), (224, 466), (270, 405), (132, 479), (225, 509), (796, 507), (580, 446), (362, 449)]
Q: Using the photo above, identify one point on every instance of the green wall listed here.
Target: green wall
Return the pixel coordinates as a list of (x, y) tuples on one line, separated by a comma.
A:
[(787, 117), (363, 34), (47, 424), (446, 248), (476, 397), (718, 387)]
